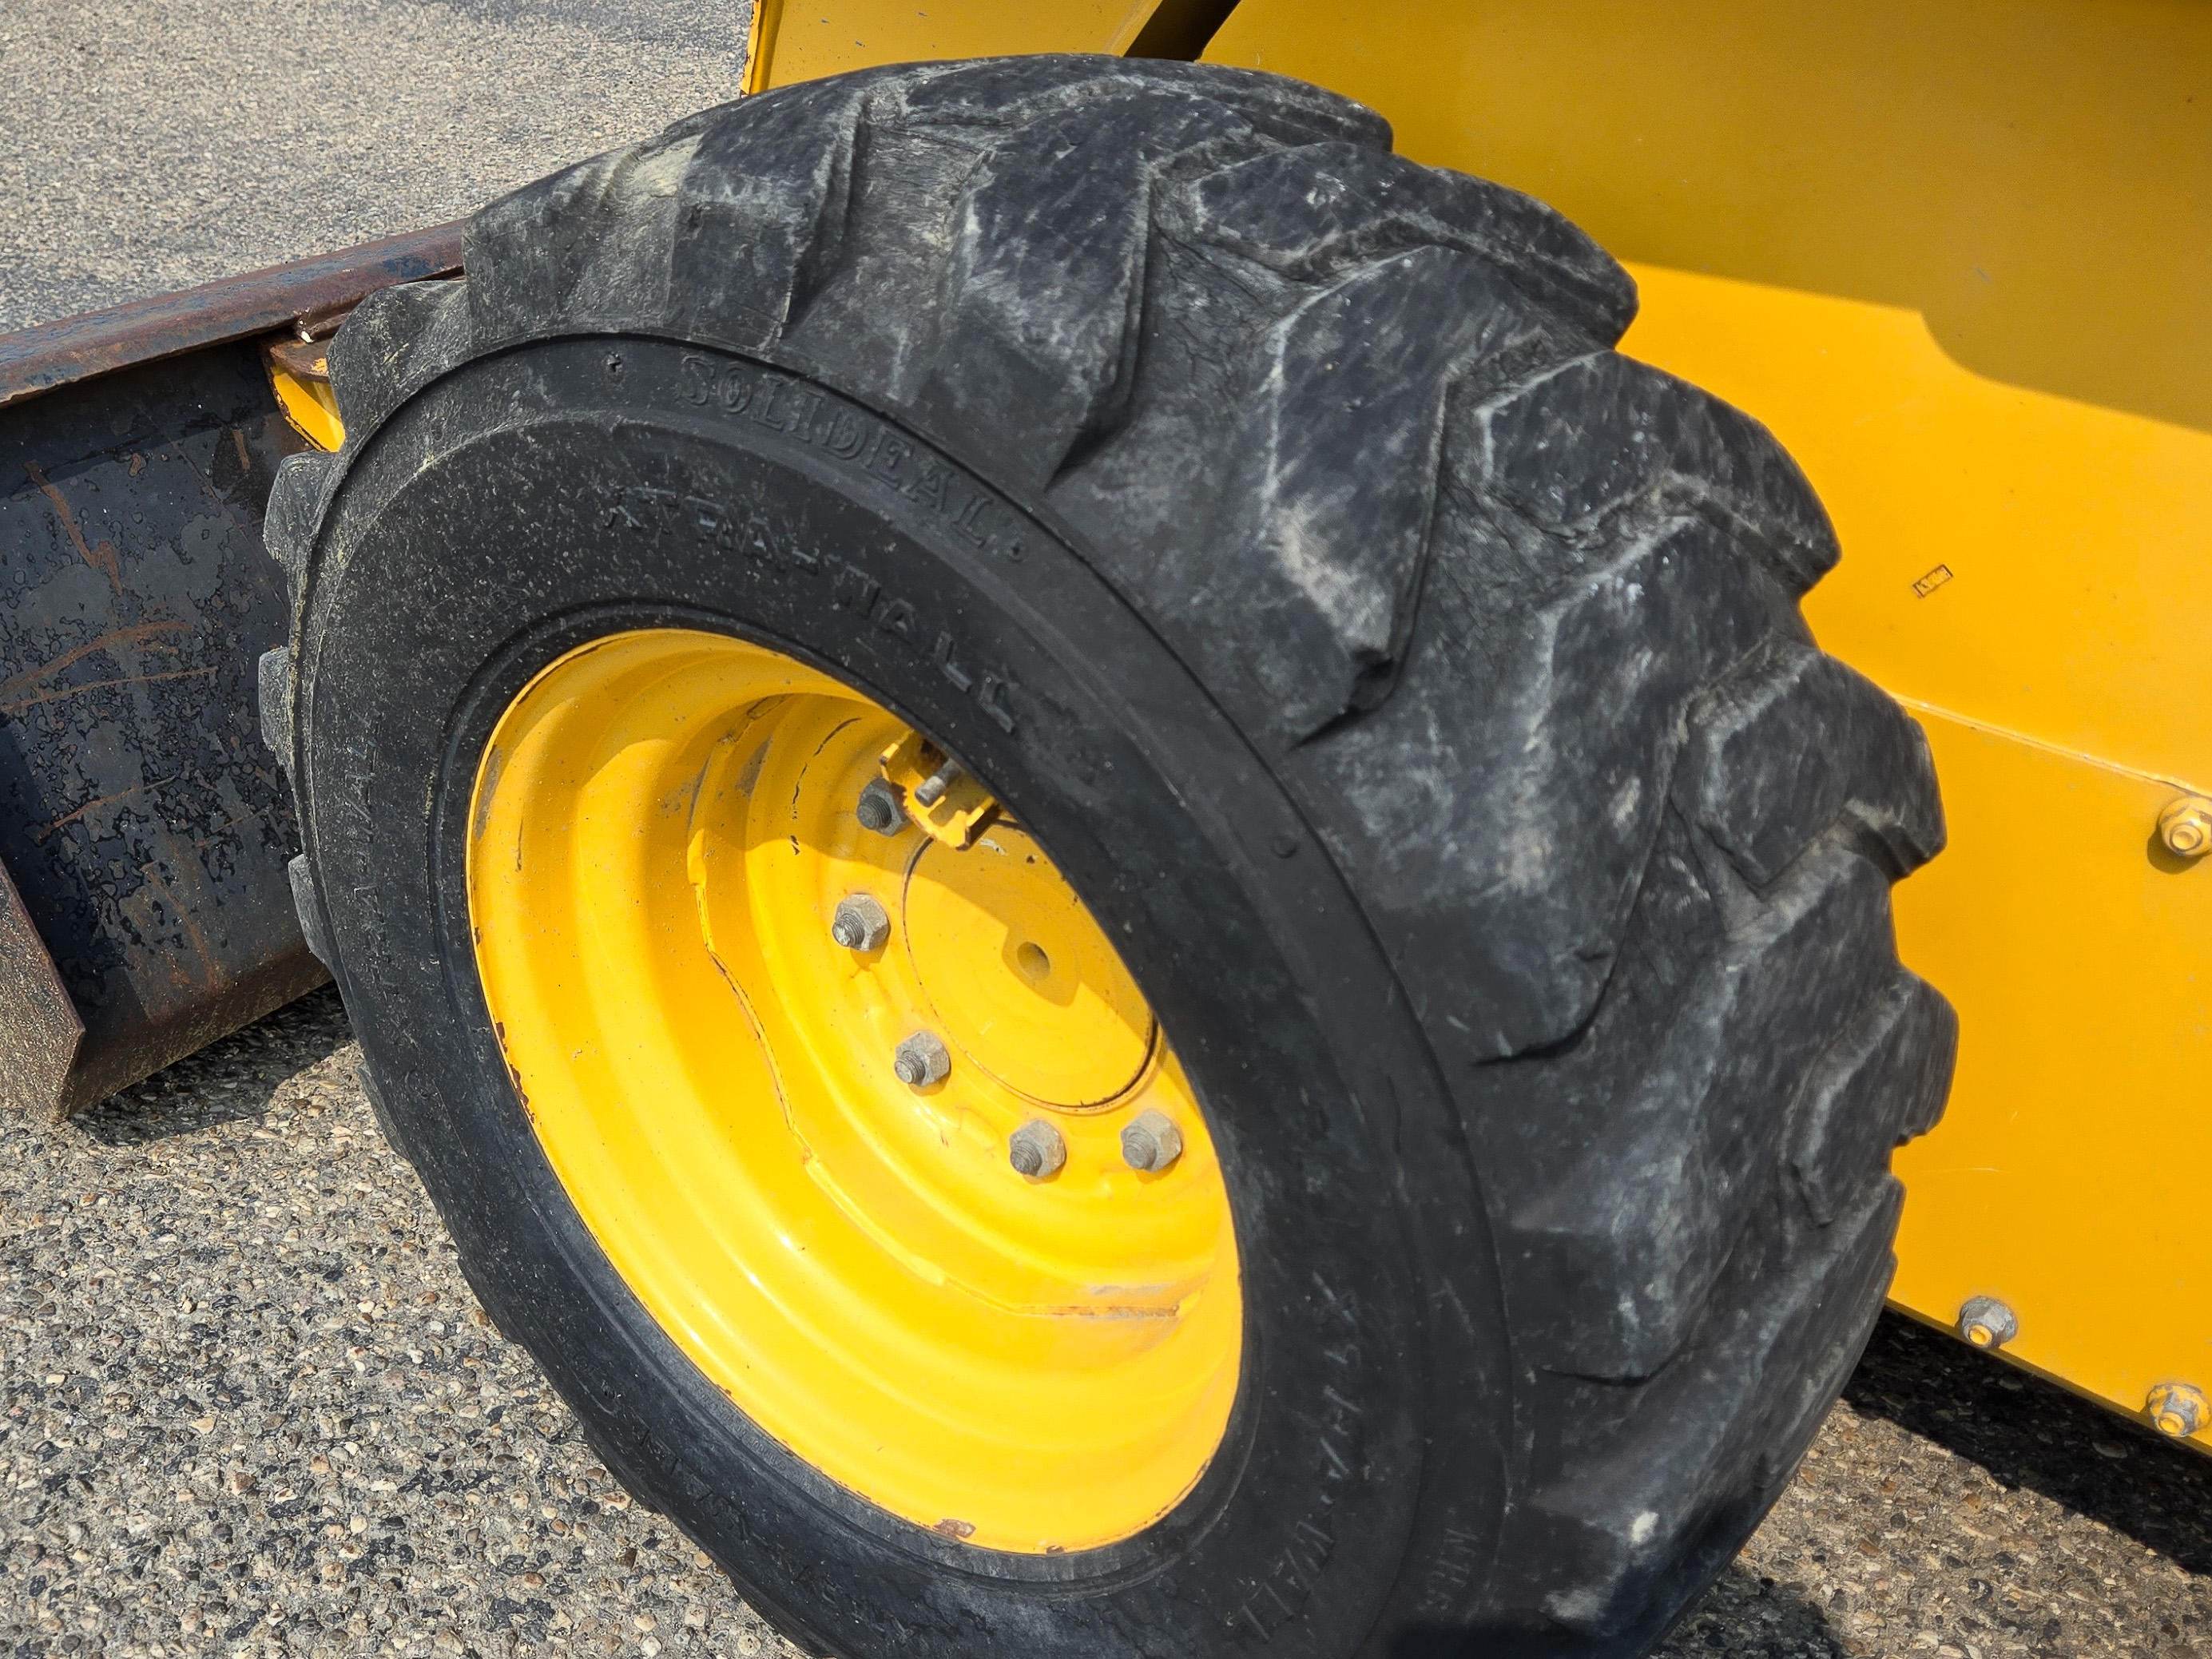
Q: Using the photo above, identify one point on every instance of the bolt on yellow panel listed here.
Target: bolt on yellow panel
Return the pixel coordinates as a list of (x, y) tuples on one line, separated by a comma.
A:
[(1969, 242), (2031, 575), (2065, 1179)]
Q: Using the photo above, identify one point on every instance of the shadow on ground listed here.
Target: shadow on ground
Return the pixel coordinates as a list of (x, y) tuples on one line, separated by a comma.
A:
[(1742, 1615), (2030, 1434), (226, 1081)]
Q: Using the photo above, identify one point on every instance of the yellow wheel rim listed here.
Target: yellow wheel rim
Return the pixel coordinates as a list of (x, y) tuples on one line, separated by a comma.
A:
[(664, 829)]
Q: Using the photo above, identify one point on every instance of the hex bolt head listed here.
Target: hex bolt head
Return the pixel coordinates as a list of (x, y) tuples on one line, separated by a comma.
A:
[(2186, 826), (1150, 1141), (921, 1059), (1036, 1150), (1987, 1322), (880, 808), (2178, 1410), (860, 923)]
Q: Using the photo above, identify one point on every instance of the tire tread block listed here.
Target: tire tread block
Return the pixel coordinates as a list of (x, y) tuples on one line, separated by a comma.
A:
[(1609, 433), (1634, 1527), (1536, 744), (1623, 1247), (765, 202), (1011, 92), (1880, 1083), (1313, 211), (1035, 342), (273, 687), (588, 244), (1799, 740), (296, 497), (1333, 497), (309, 909)]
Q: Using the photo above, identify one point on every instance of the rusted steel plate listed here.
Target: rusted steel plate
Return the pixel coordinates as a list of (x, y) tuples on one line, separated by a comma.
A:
[(144, 824), (38, 1028), (38, 360), (145, 905)]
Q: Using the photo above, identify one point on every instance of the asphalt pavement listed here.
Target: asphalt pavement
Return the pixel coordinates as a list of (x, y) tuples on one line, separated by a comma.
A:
[(247, 1404), (151, 145)]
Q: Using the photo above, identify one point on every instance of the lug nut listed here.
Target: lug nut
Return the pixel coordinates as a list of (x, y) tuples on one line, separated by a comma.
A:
[(1987, 1322), (2177, 1410), (879, 807), (861, 924), (921, 1059), (1150, 1142), (1036, 1150)]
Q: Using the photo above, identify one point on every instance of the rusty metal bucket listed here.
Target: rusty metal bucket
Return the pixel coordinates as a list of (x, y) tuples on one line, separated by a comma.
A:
[(144, 830)]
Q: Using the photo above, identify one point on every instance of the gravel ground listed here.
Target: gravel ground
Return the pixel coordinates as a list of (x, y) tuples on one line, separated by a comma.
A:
[(247, 1401), (252, 1406), (153, 145)]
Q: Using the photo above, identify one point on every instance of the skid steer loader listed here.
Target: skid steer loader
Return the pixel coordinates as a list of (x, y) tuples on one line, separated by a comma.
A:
[(1098, 795)]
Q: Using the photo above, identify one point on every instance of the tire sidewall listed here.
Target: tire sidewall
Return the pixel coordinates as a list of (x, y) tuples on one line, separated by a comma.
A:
[(561, 491)]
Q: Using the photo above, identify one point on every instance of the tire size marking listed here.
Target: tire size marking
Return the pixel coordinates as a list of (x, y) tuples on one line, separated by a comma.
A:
[(860, 440), (1266, 1604), (1444, 1584), (652, 511)]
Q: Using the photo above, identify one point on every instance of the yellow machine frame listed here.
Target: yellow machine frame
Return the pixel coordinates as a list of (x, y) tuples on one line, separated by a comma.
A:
[(1954, 256)]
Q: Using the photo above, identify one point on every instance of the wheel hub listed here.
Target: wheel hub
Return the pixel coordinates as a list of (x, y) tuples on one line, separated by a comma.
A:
[(780, 1062), (1019, 977)]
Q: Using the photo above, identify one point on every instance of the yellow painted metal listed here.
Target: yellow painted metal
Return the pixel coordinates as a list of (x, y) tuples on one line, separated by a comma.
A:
[(958, 815), (300, 375), (1046, 1009), (662, 826), (2029, 574), (2017, 560), (804, 42), (2034, 177), (1953, 255)]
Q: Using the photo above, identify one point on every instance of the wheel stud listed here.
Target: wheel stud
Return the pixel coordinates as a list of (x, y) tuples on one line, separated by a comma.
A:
[(879, 808), (1036, 1150), (1150, 1142), (932, 788), (921, 1059), (861, 924)]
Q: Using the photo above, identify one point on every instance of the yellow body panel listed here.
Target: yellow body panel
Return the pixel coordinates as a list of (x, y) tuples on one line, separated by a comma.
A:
[(2033, 176), (300, 375), (311, 407), (664, 829), (804, 42), (1956, 256), (2049, 663)]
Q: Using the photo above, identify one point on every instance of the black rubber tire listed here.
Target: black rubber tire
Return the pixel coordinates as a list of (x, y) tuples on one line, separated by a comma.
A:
[(1413, 684)]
